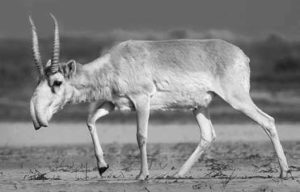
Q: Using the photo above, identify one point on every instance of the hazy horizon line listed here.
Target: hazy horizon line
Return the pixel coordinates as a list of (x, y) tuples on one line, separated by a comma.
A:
[(147, 34)]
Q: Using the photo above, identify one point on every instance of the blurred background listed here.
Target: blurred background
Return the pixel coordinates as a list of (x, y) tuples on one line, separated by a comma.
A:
[(268, 31)]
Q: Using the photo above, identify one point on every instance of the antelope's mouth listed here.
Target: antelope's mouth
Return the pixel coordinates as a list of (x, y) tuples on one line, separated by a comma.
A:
[(38, 119)]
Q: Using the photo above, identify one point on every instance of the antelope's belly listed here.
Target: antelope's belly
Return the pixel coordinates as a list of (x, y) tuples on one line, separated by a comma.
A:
[(181, 100)]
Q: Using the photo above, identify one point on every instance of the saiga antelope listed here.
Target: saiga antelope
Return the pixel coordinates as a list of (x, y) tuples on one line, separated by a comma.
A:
[(150, 75)]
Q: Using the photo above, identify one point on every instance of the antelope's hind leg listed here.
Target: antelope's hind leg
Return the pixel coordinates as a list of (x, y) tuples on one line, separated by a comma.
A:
[(242, 101), (207, 135), (96, 113)]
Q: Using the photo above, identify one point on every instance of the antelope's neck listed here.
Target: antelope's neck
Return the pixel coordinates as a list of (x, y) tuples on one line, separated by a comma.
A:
[(93, 81)]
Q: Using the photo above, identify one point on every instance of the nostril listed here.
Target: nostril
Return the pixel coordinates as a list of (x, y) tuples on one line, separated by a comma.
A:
[(44, 124)]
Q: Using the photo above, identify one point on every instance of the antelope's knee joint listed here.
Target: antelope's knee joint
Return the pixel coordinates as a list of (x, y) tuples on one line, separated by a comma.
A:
[(207, 140), (271, 128), (272, 131), (142, 139), (90, 125)]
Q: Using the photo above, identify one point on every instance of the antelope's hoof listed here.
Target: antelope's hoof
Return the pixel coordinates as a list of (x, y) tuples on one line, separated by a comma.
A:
[(142, 176), (286, 174), (102, 169)]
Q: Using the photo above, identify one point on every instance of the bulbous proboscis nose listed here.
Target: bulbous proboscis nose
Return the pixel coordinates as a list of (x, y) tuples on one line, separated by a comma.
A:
[(38, 121)]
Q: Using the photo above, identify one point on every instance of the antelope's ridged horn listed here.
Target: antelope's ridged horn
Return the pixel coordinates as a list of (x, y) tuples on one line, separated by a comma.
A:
[(35, 49), (56, 48)]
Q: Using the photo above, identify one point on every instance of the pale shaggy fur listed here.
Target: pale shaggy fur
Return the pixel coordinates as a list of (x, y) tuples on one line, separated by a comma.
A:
[(177, 74)]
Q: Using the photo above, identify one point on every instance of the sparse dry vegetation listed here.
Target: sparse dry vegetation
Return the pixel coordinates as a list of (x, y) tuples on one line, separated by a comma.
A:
[(35, 174), (225, 167)]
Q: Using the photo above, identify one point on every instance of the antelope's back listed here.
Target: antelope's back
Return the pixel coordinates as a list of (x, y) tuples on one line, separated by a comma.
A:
[(176, 64), (212, 55)]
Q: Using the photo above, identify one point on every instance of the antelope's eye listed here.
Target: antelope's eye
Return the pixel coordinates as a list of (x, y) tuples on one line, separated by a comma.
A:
[(57, 83)]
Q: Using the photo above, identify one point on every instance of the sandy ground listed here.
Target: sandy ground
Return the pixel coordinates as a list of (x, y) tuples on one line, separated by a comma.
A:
[(242, 159)]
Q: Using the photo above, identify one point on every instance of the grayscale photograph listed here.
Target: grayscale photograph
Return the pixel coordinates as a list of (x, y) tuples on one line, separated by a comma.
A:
[(149, 96)]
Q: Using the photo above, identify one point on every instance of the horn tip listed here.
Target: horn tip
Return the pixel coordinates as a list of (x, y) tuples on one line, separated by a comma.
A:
[(32, 23), (30, 19), (52, 16)]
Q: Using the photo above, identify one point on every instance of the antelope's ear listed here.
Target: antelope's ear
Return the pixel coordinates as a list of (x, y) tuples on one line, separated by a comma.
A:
[(69, 69)]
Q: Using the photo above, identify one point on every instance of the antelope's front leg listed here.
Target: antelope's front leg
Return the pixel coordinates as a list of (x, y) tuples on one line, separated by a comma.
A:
[(96, 113), (142, 105)]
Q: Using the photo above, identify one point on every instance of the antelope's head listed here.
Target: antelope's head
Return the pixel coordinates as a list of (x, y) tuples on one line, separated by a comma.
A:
[(53, 89)]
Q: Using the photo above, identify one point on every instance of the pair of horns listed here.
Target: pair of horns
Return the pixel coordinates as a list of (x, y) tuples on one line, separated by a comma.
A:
[(36, 51)]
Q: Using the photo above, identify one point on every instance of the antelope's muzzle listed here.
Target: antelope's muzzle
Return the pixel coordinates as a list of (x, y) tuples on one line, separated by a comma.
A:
[(38, 119)]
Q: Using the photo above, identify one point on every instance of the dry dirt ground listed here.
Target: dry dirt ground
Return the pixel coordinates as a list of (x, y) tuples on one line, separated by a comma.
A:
[(226, 166)]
